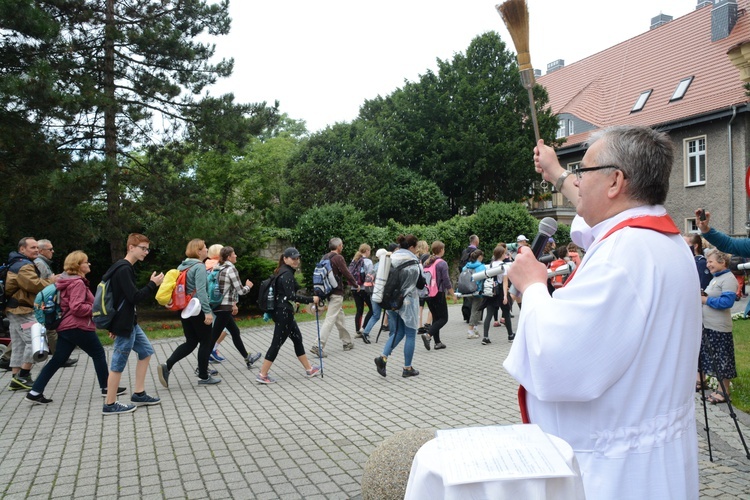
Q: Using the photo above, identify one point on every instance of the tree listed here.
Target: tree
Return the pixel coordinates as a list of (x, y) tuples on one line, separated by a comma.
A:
[(108, 71), (465, 127)]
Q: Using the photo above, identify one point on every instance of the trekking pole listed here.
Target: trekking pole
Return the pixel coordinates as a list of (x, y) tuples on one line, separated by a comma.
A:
[(320, 349)]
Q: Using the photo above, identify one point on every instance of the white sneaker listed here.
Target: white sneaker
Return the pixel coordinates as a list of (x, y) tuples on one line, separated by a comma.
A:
[(470, 335)]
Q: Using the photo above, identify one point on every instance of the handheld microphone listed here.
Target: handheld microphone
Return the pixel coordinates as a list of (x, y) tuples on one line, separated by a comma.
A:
[(547, 227)]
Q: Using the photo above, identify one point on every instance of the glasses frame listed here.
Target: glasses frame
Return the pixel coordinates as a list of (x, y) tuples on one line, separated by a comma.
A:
[(578, 171), (145, 249)]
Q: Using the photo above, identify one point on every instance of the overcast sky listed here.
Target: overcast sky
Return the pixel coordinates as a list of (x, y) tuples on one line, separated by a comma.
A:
[(322, 59)]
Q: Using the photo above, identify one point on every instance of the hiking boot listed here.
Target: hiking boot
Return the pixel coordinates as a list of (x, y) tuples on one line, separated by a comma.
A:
[(314, 371), (486, 341), (144, 399), (209, 381), (439, 345), (120, 391), (410, 372), (252, 358), (117, 408), (39, 399), (163, 372), (314, 350), (264, 379), (348, 346), (380, 364), (69, 362), (426, 339), (20, 383), (211, 372)]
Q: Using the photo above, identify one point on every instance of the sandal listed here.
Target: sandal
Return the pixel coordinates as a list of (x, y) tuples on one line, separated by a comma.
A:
[(718, 397), (700, 386)]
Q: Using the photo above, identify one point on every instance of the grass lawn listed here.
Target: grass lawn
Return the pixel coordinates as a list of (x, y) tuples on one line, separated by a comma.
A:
[(159, 325), (163, 324), (741, 385)]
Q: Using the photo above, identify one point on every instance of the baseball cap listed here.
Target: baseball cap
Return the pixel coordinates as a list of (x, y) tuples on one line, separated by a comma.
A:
[(291, 253), (521, 238)]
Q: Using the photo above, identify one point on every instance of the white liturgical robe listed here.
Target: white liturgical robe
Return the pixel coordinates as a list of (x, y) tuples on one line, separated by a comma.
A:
[(609, 363)]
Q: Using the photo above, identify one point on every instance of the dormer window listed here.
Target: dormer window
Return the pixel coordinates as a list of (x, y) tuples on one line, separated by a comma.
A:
[(641, 100), (682, 87)]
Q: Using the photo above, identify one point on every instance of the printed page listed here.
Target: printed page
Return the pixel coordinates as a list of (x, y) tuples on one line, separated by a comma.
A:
[(476, 454)]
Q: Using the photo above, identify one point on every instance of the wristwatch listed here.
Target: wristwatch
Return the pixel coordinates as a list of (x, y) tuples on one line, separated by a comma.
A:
[(561, 180)]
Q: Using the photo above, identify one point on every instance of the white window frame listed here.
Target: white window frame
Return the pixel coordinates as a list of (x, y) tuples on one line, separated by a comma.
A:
[(691, 226), (571, 127), (562, 124), (695, 157)]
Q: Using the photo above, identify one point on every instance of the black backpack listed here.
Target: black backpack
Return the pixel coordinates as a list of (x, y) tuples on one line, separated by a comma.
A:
[(393, 299), (267, 294), (3, 277)]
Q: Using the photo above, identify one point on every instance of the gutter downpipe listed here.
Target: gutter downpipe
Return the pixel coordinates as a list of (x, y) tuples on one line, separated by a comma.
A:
[(731, 171)]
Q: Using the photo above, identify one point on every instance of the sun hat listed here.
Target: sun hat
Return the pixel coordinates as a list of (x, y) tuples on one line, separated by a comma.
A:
[(192, 309)]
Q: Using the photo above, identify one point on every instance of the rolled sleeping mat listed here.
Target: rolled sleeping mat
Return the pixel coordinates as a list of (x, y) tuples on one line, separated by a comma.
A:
[(39, 343)]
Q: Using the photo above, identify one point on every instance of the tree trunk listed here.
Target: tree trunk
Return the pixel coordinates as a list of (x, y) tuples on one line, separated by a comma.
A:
[(112, 182)]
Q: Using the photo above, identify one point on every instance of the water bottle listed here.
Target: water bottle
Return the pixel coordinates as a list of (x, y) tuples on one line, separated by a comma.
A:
[(270, 300)]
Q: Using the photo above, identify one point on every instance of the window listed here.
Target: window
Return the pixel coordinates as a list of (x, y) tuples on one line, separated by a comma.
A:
[(695, 155), (561, 128), (641, 101), (571, 127), (691, 226), (682, 87)]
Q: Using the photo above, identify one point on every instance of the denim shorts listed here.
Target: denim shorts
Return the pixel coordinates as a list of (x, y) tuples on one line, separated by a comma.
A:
[(137, 342)]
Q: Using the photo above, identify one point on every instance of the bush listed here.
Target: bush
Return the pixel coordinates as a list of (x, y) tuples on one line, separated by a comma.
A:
[(318, 225)]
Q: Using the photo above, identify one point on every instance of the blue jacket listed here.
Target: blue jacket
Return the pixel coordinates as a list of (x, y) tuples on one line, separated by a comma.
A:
[(735, 246), (476, 267)]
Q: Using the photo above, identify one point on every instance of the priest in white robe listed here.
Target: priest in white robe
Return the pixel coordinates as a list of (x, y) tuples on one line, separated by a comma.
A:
[(608, 364)]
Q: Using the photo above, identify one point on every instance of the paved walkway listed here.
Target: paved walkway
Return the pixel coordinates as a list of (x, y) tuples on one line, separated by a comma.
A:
[(298, 438)]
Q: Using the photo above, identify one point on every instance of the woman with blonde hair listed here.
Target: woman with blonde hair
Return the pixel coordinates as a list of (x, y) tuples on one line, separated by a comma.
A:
[(360, 267), (76, 329), (211, 262), (197, 328)]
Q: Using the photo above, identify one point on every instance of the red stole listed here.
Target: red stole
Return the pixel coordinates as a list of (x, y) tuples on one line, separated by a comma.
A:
[(661, 223)]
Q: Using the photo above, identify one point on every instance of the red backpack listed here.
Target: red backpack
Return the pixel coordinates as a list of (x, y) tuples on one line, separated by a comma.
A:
[(180, 297)]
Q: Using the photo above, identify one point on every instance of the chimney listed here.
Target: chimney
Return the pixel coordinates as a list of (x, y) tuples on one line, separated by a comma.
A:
[(555, 65), (723, 19), (660, 20)]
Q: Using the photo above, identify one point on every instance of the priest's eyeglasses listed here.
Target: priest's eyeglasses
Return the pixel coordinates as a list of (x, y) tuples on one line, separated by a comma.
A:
[(578, 171)]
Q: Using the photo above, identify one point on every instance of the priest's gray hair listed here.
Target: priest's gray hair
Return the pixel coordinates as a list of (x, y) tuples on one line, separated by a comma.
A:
[(644, 156)]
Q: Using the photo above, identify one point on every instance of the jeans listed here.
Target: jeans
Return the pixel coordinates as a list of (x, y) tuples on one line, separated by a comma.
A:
[(67, 340), (137, 342), (374, 318), (196, 333), (399, 331), (224, 319)]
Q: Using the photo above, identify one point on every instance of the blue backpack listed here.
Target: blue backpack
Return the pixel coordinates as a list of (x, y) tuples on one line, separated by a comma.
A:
[(323, 279), (47, 308), (214, 289)]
